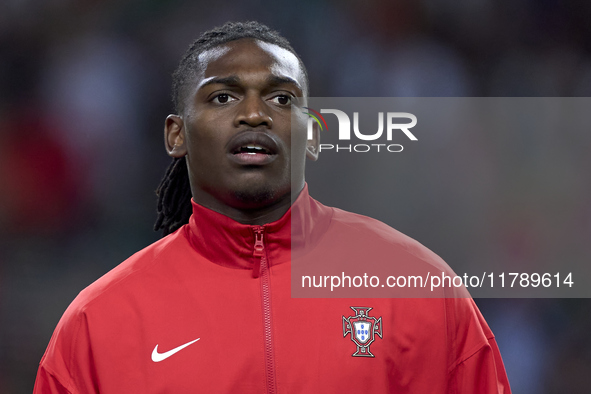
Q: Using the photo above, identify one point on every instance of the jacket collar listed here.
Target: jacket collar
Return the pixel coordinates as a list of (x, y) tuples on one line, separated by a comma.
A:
[(229, 243)]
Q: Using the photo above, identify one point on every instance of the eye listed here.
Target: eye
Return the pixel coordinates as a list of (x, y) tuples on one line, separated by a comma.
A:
[(282, 99), (223, 98)]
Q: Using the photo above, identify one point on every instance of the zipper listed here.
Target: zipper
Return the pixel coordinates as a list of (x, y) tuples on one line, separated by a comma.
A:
[(259, 250), (262, 270)]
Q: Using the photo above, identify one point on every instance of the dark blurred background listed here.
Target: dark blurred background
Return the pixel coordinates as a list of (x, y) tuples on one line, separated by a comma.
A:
[(85, 88)]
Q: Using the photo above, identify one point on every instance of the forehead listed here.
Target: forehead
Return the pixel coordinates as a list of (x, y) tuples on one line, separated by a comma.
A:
[(248, 56)]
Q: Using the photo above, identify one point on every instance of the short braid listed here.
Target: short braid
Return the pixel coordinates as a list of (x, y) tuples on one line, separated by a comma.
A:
[(174, 198)]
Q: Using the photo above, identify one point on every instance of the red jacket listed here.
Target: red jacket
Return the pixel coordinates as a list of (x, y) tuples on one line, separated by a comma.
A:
[(208, 309)]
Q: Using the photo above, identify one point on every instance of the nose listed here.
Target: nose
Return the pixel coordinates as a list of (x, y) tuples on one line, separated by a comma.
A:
[(253, 111)]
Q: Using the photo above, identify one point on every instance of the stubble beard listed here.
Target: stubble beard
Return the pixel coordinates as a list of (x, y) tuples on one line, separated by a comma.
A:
[(256, 197)]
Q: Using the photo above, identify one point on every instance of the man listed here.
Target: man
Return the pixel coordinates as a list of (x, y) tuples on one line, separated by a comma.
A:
[(208, 307)]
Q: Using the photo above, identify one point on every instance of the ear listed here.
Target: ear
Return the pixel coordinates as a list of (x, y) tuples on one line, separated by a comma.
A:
[(174, 136), (312, 148)]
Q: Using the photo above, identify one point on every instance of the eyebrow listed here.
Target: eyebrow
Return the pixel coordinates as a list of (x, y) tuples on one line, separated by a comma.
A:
[(273, 80), (231, 80)]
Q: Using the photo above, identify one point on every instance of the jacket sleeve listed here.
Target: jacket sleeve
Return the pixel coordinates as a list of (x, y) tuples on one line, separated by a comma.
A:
[(477, 364), (47, 383), (67, 365)]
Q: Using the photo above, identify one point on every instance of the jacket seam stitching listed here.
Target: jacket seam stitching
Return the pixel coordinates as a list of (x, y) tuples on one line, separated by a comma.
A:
[(154, 261), (57, 377), (467, 355)]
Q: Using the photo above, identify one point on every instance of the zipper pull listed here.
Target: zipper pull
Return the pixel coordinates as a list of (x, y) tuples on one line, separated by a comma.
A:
[(259, 250)]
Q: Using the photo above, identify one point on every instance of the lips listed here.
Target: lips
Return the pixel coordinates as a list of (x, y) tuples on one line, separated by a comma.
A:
[(252, 148)]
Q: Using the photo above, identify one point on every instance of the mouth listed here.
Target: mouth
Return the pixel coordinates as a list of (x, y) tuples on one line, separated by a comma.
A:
[(253, 148)]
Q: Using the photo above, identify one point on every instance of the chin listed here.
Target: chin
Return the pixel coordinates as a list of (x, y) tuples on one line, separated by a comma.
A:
[(254, 196)]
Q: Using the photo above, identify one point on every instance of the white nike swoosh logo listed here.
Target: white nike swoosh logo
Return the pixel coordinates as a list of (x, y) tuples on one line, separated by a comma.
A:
[(157, 357)]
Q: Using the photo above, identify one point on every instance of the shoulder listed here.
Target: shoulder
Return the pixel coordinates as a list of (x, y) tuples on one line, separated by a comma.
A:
[(379, 236), (131, 273), (106, 302)]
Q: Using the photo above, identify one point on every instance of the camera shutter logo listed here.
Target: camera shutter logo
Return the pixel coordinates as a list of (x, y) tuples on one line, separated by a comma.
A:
[(363, 330)]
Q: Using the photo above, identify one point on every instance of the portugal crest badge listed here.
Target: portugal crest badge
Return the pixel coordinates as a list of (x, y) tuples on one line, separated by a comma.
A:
[(363, 330)]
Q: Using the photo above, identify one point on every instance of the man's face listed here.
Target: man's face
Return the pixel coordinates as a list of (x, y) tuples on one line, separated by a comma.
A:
[(236, 126)]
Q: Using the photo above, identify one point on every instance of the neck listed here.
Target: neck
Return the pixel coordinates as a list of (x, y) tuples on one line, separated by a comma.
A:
[(247, 214)]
